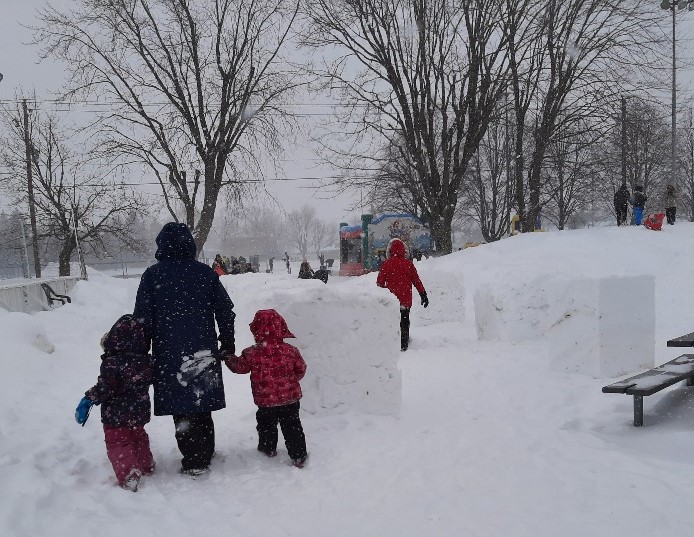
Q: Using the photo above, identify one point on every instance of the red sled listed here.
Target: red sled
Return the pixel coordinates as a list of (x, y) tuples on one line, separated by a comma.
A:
[(654, 221)]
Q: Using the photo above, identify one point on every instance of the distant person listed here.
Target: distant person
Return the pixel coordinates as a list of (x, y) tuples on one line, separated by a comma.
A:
[(638, 201), (515, 224), (179, 300), (621, 202), (271, 262), (276, 369), (123, 393), (670, 204), (321, 261), (305, 271), (286, 261), (399, 274), (219, 266)]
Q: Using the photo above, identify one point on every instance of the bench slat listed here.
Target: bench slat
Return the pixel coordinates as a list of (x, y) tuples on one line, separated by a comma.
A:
[(682, 341), (656, 379)]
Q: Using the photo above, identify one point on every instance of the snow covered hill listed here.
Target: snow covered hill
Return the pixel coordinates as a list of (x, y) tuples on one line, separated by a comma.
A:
[(492, 440)]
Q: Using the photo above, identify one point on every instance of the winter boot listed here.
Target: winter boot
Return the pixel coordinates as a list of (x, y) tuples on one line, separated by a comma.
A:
[(132, 482), (300, 462)]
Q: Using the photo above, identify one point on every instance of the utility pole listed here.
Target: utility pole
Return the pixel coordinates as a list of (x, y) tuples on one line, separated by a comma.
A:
[(30, 191), (624, 141)]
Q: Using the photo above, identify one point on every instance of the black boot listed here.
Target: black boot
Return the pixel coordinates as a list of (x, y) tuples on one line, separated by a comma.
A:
[(404, 328)]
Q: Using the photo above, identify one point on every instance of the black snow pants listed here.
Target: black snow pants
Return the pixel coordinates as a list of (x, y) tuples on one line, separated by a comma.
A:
[(671, 213), (195, 437), (621, 214), (404, 328), (288, 418)]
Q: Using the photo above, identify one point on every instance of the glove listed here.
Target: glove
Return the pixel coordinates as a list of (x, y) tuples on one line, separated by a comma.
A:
[(227, 350), (425, 300), (82, 410)]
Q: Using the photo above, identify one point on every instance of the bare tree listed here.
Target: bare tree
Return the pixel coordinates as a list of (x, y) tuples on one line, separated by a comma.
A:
[(428, 75), (570, 172), (487, 195), (75, 200), (687, 164), (267, 226), (301, 228), (194, 82), (567, 60)]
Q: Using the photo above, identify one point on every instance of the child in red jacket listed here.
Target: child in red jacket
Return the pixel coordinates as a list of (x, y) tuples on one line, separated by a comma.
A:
[(399, 274), (276, 369)]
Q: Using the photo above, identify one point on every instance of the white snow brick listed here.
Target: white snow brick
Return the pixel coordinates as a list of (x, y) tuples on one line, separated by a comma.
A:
[(602, 327), (347, 334)]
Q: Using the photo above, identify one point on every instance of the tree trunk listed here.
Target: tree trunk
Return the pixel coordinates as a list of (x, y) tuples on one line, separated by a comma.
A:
[(441, 230), (214, 171), (65, 255)]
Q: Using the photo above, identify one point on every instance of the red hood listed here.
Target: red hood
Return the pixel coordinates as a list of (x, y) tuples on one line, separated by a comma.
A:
[(397, 248), (268, 325)]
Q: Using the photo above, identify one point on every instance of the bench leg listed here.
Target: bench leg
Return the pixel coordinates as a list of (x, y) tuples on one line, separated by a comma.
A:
[(638, 410)]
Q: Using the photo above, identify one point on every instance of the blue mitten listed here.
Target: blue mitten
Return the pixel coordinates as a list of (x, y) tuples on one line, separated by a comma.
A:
[(82, 410)]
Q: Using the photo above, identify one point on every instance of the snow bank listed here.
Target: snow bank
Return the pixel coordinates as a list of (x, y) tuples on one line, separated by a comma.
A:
[(603, 327), (348, 337)]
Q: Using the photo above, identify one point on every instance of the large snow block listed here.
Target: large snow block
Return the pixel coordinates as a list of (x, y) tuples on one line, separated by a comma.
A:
[(348, 336), (626, 325), (603, 327)]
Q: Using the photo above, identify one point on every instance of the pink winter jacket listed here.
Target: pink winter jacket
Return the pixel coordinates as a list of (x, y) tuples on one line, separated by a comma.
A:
[(275, 366)]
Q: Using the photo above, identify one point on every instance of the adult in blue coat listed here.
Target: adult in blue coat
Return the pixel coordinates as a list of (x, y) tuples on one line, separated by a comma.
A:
[(178, 301)]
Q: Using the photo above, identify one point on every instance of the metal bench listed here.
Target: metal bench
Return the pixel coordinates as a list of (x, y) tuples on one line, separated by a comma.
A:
[(52, 296), (654, 380)]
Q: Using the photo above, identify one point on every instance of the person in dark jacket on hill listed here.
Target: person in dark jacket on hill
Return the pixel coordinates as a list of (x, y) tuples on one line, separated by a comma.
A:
[(621, 202), (399, 274), (178, 301), (638, 200), (276, 369), (122, 390)]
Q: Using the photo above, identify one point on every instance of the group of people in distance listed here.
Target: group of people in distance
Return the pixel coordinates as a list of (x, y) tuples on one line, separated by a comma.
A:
[(222, 266), (178, 302), (622, 200)]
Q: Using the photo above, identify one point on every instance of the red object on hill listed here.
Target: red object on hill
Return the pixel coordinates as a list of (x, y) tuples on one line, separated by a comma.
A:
[(654, 221)]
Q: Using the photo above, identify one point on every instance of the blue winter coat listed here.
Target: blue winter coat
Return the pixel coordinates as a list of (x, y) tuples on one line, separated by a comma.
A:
[(178, 301)]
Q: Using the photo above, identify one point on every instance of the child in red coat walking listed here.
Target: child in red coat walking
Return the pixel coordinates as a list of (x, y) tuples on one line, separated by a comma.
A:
[(399, 274), (122, 390), (276, 369)]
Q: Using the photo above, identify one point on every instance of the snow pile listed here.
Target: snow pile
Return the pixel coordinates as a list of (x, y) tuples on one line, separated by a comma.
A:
[(347, 336), (603, 327)]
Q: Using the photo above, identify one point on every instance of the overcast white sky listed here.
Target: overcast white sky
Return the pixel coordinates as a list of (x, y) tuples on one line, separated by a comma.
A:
[(18, 64)]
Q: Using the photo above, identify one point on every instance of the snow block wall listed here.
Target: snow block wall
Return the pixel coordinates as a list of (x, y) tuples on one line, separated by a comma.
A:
[(603, 327), (341, 331)]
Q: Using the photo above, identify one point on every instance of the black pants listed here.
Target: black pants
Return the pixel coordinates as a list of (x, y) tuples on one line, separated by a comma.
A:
[(621, 215), (404, 328), (293, 432), (670, 213), (195, 437)]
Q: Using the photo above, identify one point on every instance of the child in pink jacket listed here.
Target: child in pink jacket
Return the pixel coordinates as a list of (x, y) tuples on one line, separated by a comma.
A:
[(276, 368)]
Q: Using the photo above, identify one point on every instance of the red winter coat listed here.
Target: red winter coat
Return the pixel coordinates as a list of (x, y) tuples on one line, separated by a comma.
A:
[(398, 274), (275, 366)]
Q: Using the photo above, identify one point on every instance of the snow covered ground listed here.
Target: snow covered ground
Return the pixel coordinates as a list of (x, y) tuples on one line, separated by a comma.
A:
[(492, 439)]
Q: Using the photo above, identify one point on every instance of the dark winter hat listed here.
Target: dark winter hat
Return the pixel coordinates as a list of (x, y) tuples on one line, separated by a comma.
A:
[(127, 335), (175, 241)]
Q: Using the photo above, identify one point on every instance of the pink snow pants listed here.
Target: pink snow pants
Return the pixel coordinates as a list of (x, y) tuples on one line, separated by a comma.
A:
[(128, 448)]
